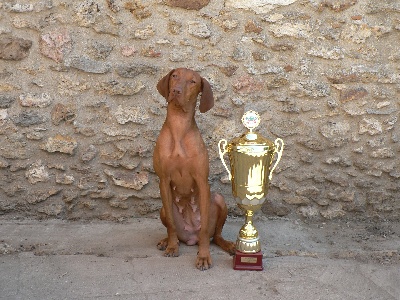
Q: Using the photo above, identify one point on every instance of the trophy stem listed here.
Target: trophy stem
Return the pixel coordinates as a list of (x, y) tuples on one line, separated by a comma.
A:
[(248, 250), (248, 240)]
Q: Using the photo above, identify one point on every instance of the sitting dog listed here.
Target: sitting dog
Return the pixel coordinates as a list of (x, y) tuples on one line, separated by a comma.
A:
[(190, 212)]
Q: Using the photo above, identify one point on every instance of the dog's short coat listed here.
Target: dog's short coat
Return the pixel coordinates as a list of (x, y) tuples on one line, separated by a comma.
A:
[(190, 212)]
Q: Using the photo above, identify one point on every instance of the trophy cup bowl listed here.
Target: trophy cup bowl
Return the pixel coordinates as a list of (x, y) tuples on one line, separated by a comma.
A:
[(251, 162)]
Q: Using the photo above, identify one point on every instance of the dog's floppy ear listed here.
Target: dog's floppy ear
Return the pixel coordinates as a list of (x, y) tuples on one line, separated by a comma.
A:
[(163, 85), (207, 98)]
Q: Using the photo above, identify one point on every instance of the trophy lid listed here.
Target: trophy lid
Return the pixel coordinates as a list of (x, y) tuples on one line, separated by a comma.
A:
[(251, 120)]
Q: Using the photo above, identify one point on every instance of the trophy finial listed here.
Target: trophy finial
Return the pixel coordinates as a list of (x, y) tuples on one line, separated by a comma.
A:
[(251, 119)]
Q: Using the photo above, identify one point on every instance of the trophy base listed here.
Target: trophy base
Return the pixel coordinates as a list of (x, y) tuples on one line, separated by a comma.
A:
[(248, 261)]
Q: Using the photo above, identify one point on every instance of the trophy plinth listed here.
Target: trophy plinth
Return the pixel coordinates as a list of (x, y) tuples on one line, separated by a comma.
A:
[(248, 261), (250, 157)]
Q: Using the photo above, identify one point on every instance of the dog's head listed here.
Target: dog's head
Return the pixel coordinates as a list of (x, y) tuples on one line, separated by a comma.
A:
[(183, 85)]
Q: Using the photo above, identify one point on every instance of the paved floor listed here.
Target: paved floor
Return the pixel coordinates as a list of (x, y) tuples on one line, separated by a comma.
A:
[(102, 260)]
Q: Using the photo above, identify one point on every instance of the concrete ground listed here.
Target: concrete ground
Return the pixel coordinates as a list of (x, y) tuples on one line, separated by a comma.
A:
[(57, 259)]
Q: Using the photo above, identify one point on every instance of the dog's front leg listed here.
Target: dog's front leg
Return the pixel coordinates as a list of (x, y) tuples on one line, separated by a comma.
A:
[(172, 248), (203, 261)]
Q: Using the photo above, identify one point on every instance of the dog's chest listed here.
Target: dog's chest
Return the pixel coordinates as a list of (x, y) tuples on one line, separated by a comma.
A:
[(182, 182), (181, 165)]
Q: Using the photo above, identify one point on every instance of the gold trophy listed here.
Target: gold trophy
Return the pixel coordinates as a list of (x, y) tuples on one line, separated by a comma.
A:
[(251, 157)]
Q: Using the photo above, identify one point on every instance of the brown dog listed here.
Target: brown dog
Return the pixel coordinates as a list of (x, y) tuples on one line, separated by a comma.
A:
[(180, 160)]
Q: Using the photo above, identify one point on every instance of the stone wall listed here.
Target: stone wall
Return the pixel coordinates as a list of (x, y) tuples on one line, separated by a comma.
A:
[(79, 111)]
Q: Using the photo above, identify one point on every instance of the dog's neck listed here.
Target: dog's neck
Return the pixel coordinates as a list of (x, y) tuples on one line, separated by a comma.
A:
[(180, 121)]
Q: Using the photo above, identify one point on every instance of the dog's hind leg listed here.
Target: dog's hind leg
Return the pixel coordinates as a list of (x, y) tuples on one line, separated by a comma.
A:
[(221, 218)]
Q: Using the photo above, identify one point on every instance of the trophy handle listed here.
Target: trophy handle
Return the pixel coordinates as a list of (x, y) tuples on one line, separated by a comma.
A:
[(278, 149), (222, 144)]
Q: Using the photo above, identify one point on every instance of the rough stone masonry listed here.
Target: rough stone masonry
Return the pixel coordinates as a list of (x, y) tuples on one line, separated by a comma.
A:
[(79, 111)]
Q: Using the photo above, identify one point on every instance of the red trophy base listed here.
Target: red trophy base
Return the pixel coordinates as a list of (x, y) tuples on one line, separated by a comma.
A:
[(248, 261)]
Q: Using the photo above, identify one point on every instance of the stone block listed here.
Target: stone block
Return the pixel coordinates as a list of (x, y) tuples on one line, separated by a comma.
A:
[(298, 30), (6, 101), (13, 48), (65, 179), (274, 208), (129, 180), (309, 212), (357, 33), (60, 143), (144, 33), (18, 7), (42, 195), (337, 178), (133, 70), (335, 5), (89, 153), (35, 100), (353, 94), (334, 53), (55, 44), (252, 26), (101, 50), (256, 4), (296, 200), (333, 211), (28, 118), (4, 163), (128, 51), (119, 88), (247, 85), (137, 115), (308, 191), (52, 209), (191, 5), (68, 86), (371, 126), (88, 65), (87, 12), (285, 128), (334, 129), (3, 114), (61, 112), (199, 29), (383, 153), (37, 173)]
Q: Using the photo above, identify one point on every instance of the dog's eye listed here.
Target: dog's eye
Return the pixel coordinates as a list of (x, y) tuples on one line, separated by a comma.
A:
[(174, 75), (192, 81)]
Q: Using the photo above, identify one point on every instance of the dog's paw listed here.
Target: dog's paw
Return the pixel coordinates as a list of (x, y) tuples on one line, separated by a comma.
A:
[(172, 251), (203, 263), (231, 248), (162, 245)]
